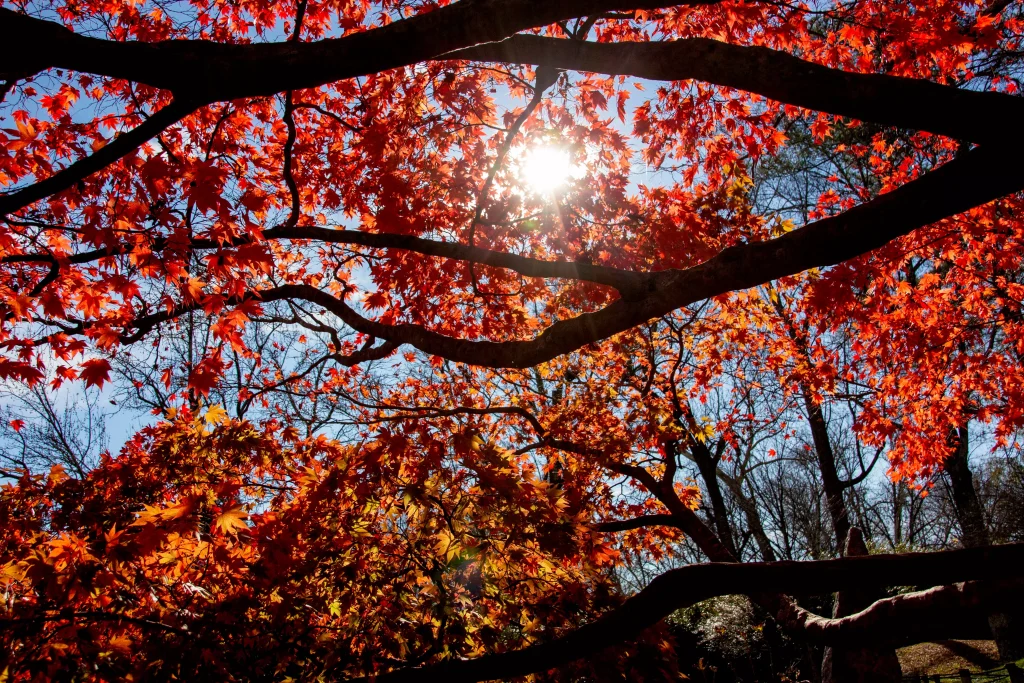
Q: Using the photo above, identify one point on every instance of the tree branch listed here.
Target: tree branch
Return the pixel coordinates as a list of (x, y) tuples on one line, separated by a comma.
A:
[(96, 616), (622, 280), (888, 100), (211, 72), (903, 619), (637, 523), (119, 147), (975, 178), (689, 585)]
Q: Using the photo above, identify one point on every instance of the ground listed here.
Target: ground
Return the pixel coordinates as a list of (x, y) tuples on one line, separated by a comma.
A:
[(948, 657)]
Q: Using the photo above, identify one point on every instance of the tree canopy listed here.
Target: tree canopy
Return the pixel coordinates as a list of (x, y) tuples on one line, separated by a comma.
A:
[(445, 313)]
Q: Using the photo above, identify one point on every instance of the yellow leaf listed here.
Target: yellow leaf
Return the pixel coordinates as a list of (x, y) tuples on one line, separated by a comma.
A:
[(153, 514), (216, 415), (122, 644), (12, 570), (232, 520), (447, 545)]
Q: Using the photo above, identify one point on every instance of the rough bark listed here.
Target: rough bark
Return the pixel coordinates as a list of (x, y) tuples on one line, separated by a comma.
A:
[(207, 71), (969, 513), (844, 664), (852, 664), (934, 614)]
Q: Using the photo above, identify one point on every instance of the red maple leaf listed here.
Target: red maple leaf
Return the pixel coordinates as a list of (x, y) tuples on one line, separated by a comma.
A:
[(95, 372)]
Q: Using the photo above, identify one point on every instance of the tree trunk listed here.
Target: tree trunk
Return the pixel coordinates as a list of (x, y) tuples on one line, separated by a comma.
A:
[(969, 513), (707, 463), (858, 664), (1007, 627), (753, 516), (841, 664), (829, 473)]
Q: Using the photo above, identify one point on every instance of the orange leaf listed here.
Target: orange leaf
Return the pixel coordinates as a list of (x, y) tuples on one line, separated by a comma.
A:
[(231, 520)]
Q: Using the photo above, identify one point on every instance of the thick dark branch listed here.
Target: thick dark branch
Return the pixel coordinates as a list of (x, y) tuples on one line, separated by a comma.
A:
[(211, 72), (976, 178), (623, 280), (888, 100), (120, 146), (904, 619), (996, 7), (686, 586)]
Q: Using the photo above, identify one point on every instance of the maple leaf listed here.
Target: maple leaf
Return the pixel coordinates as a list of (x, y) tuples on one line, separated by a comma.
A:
[(121, 643), (95, 372), (205, 186), (231, 521), (820, 128), (205, 375), (153, 514), (534, 325), (376, 300), (21, 371), (446, 545), (12, 571), (65, 372), (216, 415), (254, 256), (193, 288)]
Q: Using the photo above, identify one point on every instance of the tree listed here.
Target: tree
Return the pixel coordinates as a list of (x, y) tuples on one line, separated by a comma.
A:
[(41, 429), (429, 359)]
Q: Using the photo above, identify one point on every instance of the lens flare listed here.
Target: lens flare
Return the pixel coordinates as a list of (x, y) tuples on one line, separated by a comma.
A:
[(545, 169)]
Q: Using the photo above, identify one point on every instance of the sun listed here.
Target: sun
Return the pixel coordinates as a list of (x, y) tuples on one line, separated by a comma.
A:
[(546, 169)]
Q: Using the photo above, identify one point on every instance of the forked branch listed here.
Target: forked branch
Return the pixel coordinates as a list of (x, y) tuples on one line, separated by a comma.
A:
[(689, 585)]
